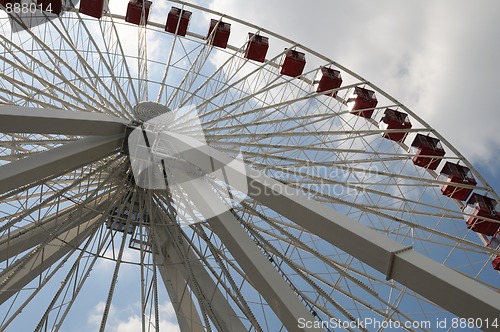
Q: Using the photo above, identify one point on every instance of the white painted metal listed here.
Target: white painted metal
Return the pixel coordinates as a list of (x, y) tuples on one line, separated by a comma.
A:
[(261, 273), (398, 262), (31, 235), (186, 312), (172, 257), (36, 261), (57, 161), (15, 119)]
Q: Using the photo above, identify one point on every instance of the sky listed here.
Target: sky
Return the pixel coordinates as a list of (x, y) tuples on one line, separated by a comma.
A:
[(439, 58)]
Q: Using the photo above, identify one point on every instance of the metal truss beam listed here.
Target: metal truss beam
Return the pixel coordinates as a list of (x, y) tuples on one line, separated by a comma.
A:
[(220, 310), (35, 262), (32, 120), (57, 161), (438, 283), (261, 273), (26, 237), (185, 309)]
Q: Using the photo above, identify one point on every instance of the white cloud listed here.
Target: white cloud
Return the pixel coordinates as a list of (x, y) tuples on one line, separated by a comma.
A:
[(134, 324), (438, 58), (127, 318)]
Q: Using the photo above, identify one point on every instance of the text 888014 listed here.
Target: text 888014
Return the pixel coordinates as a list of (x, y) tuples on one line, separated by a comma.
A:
[(26, 8)]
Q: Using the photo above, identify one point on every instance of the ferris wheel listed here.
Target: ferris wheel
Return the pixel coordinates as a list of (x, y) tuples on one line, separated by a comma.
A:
[(164, 153)]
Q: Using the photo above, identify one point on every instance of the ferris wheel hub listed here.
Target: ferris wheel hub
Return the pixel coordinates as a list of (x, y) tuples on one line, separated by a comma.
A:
[(147, 110)]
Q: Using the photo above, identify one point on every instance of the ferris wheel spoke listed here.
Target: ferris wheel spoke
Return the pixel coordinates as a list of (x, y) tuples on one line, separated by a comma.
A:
[(17, 119), (4, 143), (59, 64), (241, 126), (52, 191), (251, 91), (302, 273), (24, 99), (339, 267), (361, 187), (229, 109), (269, 283), (319, 146), (427, 229), (344, 270), (74, 281), (262, 135), (224, 75), (181, 283), (84, 272), (91, 72), (288, 238), (271, 155), (196, 276), (299, 165), (113, 45), (77, 91), (142, 58), (235, 103), (167, 68), (26, 237), (378, 212), (119, 256), (56, 161), (29, 91), (21, 238), (68, 179), (16, 276), (110, 64), (375, 209), (276, 105), (222, 262), (344, 230), (296, 242), (190, 76), (184, 306), (51, 88), (10, 316)]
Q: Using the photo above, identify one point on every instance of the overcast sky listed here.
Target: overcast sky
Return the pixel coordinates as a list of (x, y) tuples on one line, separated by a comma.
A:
[(439, 58)]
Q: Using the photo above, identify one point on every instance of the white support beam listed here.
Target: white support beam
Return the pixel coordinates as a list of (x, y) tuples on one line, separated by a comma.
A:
[(17, 119), (19, 274), (447, 288), (261, 273), (57, 161), (176, 274), (26, 237), (184, 307)]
